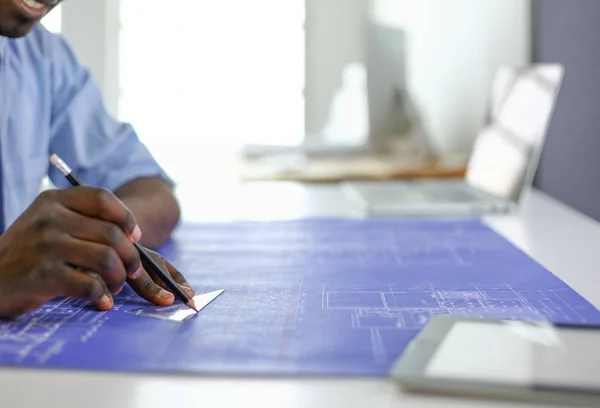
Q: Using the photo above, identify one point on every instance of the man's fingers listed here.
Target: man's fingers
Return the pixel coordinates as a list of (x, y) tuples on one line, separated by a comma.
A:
[(94, 257), (103, 204), (180, 279), (151, 291), (106, 233), (74, 283), (106, 302), (166, 266)]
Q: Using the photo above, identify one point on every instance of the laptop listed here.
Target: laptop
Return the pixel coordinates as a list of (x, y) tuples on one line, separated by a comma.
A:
[(503, 161)]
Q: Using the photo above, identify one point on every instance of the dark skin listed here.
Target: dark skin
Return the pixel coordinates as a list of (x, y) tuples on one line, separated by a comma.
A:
[(145, 198), (78, 242), (13, 23)]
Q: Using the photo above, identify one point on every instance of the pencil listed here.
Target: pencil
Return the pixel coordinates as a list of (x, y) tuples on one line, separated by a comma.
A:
[(165, 276)]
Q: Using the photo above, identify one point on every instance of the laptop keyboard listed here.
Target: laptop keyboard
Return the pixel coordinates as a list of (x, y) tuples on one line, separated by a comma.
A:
[(415, 194), (452, 195)]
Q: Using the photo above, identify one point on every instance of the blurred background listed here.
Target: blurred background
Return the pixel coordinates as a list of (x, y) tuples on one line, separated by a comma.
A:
[(211, 79), (321, 90)]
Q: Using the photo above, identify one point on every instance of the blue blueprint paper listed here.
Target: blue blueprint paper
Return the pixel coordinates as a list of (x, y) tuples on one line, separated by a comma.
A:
[(310, 297)]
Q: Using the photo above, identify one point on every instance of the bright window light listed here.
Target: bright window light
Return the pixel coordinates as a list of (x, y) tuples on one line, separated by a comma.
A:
[(206, 77), (53, 21)]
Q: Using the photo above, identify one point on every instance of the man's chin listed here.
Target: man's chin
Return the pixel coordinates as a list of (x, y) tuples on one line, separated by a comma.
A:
[(17, 31)]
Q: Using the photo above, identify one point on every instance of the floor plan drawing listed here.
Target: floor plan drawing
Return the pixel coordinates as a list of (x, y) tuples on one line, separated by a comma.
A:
[(396, 310), (302, 297), (413, 309)]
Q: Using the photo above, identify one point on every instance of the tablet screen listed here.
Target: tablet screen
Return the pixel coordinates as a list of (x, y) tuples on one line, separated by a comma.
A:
[(519, 354)]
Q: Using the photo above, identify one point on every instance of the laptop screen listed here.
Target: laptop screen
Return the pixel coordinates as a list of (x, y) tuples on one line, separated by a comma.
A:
[(507, 149)]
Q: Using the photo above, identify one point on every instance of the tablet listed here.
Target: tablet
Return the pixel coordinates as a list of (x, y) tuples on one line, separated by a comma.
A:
[(527, 361)]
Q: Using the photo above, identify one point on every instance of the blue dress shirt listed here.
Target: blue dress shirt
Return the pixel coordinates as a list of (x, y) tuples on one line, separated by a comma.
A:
[(50, 104)]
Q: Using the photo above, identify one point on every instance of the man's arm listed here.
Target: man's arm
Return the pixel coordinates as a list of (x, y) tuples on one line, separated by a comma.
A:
[(103, 151), (147, 197)]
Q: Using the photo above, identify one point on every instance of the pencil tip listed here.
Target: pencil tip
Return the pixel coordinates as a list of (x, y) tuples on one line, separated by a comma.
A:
[(192, 305)]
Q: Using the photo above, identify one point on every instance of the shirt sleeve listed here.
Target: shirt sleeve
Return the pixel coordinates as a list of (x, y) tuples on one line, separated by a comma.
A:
[(102, 151)]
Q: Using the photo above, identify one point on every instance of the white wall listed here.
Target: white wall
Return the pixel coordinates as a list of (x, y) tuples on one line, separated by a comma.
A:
[(454, 48)]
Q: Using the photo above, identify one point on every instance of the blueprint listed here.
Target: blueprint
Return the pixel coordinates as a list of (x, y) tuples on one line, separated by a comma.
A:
[(305, 297)]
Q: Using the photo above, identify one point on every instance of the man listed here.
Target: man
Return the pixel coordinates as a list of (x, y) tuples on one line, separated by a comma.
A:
[(70, 241)]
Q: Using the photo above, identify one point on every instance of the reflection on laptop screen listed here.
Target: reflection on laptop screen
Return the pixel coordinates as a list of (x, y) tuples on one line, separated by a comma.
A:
[(506, 152)]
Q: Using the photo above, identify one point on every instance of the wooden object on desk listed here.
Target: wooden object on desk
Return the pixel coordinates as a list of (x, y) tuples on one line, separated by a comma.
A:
[(337, 169)]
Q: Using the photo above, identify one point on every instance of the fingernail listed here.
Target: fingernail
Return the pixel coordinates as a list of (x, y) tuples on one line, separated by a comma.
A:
[(104, 302), (164, 294), (189, 290), (136, 235), (138, 272)]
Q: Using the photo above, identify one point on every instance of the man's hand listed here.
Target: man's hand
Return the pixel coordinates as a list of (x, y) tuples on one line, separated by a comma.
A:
[(63, 232), (155, 208), (150, 287)]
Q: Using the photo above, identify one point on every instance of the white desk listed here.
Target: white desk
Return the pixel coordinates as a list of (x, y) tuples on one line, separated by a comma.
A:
[(565, 242)]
